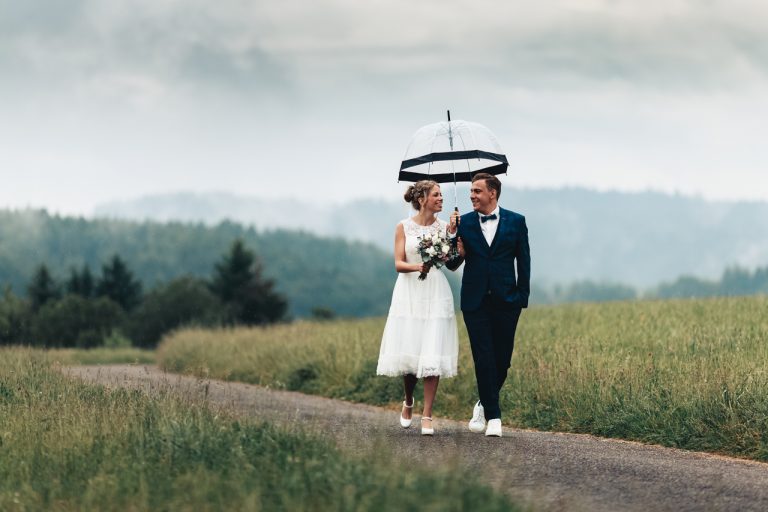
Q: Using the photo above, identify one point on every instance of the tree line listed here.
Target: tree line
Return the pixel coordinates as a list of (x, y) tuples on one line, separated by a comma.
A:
[(733, 282), (87, 310), (317, 276), (350, 278)]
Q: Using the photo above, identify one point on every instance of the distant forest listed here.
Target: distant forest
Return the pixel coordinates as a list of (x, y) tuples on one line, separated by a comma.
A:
[(734, 281), (641, 239), (346, 278), (315, 274)]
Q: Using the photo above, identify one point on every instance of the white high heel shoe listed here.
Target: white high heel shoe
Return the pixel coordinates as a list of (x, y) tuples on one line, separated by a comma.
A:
[(405, 423), (427, 431)]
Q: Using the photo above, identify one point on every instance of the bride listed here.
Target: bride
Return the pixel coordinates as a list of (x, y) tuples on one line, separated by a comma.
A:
[(420, 338)]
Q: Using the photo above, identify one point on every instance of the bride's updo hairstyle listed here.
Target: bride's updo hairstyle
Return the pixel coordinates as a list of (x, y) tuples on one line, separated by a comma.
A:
[(418, 190)]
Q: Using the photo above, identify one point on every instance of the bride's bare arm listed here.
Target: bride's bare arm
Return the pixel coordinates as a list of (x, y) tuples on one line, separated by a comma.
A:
[(400, 264)]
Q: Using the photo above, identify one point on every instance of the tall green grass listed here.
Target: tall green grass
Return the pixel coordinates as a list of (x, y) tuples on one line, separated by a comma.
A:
[(684, 373), (66, 445)]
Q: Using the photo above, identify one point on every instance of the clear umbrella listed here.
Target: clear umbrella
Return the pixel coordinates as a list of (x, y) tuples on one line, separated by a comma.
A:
[(452, 151)]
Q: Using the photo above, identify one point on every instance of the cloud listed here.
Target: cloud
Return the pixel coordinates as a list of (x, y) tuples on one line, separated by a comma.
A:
[(168, 46), (141, 95), (263, 48), (685, 51), (250, 70), (54, 17)]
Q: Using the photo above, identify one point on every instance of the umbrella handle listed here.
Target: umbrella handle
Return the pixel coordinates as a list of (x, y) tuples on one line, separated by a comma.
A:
[(455, 239)]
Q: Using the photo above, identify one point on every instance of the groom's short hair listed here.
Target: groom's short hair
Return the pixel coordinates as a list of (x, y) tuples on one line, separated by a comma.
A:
[(491, 181)]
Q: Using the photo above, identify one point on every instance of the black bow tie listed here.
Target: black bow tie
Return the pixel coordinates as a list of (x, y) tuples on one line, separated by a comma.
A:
[(484, 218)]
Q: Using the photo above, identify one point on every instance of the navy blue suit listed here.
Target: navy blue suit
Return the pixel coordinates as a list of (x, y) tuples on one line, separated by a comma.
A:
[(493, 296)]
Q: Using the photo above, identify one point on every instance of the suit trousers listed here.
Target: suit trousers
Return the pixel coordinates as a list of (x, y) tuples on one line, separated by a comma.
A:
[(491, 330)]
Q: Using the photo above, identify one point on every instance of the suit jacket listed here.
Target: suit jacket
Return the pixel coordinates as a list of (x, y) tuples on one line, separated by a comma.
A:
[(491, 270)]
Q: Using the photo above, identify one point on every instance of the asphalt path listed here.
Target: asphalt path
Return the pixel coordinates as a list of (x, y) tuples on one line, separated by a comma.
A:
[(548, 471)]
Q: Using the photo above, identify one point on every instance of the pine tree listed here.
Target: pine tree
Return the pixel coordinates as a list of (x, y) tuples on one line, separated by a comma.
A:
[(42, 288), (239, 283), (81, 283), (14, 318), (117, 283), (87, 287)]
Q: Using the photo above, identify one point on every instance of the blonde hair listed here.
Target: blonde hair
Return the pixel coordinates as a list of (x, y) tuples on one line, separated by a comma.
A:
[(417, 191)]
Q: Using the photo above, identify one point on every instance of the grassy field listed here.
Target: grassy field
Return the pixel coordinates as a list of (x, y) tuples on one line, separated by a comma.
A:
[(687, 373), (65, 445), (72, 356)]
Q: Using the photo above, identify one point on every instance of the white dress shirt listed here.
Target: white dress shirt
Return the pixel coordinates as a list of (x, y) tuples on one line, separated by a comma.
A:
[(489, 226)]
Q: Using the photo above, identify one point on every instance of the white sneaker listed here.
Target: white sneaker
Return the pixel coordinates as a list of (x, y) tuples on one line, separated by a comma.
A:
[(494, 428), (477, 423)]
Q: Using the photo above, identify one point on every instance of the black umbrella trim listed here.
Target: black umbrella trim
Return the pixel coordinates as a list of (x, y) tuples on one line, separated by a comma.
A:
[(449, 177), (452, 155)]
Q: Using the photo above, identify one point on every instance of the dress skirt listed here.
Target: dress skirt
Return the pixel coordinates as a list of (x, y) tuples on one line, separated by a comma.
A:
[(420, 336)]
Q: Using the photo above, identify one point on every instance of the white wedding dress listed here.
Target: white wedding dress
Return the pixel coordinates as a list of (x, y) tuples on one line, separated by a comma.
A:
[(420, 336)]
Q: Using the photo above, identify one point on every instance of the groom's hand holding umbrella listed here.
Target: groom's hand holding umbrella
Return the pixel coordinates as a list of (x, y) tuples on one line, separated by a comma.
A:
[(453, 228), (454, 225)]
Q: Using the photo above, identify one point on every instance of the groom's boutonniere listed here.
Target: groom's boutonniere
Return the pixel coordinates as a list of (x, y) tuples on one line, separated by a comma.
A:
[(435, 250)]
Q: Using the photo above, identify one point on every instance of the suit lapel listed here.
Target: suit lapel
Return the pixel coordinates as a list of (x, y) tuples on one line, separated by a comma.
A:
[(478, 233), (497, 235)]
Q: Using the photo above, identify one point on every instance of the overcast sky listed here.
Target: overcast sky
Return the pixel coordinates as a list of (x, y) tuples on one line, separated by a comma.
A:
[(115, 99)]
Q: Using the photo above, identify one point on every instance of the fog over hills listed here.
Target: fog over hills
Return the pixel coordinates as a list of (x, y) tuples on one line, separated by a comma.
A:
[(635, 238)]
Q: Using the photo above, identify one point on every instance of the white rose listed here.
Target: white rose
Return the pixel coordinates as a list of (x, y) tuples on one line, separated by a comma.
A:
[(446, 249), (435, 238), (431, 251)]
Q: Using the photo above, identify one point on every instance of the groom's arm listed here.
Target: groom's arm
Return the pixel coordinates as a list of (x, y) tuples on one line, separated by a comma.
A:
[(456, 262), (523, 258)]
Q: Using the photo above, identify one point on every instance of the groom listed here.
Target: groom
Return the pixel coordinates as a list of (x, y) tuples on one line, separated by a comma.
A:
[(491, 240)]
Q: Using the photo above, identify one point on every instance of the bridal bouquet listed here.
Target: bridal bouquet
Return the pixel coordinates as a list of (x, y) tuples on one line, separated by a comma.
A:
[(435, 250)]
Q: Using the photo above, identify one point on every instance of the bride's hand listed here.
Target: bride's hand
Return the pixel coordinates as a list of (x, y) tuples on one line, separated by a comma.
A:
[(424, 268)]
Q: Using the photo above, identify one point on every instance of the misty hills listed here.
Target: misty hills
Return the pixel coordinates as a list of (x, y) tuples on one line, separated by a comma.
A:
[(640, 239), (349, 278)]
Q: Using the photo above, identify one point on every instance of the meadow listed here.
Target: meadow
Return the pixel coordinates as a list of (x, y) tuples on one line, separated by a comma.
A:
[(684, 373), (66, 445), (100, 355)]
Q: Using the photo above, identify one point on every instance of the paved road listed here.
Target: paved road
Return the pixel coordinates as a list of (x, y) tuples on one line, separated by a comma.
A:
[(549, 471)]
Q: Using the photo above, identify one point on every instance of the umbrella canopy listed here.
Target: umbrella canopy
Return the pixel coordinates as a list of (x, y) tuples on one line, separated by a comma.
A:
[(452, 151)]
